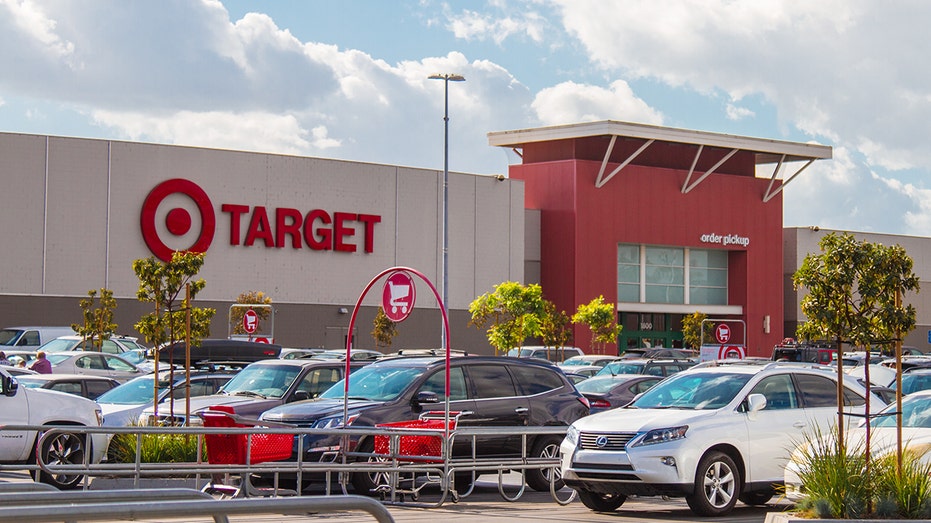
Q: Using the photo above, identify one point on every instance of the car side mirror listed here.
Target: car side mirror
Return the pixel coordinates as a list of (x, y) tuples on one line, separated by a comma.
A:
[(426, 396), (8, 386), (756, 403), (301, 395)]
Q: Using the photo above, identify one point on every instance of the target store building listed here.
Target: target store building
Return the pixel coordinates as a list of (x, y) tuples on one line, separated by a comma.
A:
[(663, 222)]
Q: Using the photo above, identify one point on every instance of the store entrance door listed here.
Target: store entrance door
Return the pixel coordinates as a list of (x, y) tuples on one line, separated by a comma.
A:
[(650, 330)]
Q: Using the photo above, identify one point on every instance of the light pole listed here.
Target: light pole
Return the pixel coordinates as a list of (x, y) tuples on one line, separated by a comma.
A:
[(446, 77)]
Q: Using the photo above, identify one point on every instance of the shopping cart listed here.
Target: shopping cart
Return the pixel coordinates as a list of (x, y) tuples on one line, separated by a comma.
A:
[(242, 449), (415, 449)]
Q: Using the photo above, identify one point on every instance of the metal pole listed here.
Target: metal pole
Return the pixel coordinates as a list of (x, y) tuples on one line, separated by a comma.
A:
[(446, 77)]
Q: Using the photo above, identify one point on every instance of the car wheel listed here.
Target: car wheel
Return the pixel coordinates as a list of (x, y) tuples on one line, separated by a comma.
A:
[(757, 497), (62, 448), (365, 483), (717, 485), (539, 479), (601, 502)]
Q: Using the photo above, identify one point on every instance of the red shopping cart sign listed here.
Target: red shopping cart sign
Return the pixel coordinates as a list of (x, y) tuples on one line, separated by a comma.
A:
[(398, 296)]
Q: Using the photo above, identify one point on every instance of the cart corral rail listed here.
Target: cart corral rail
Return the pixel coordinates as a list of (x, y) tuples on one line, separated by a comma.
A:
[(335, 473)]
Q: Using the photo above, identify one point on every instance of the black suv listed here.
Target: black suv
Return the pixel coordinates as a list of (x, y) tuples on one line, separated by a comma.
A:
[(497, 391)]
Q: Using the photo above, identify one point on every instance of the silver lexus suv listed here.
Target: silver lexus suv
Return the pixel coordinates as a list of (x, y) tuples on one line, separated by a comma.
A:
[(715, 433)]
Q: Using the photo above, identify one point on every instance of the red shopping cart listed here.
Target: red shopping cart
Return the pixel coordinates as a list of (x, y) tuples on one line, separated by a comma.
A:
[(242, 449), (415, 448)]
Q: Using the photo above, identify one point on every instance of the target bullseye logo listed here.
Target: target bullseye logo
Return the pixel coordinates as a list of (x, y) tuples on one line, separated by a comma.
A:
[(178, 221)]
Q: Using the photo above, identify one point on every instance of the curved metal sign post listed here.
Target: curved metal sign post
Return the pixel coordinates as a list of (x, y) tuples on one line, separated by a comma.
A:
[(355, 310)]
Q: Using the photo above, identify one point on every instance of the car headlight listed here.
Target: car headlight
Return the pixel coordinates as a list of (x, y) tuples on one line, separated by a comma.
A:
[(661, 436), (572, 435), (333, 422)]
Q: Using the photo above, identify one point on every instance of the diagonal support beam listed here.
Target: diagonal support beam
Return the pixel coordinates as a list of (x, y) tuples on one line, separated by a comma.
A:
[(770, 194), (602, 179), (710, 171), (692, 169)]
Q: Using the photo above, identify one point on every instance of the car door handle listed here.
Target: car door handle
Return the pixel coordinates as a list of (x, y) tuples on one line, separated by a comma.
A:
[(522, 411), (800, 424)]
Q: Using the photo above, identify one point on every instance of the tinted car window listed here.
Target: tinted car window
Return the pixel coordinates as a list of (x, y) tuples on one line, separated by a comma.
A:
[(535, 380), (71, 387), (437, 384), (118, 364), (492, 381), (96, 388), (318, 380), (817, 391), (110, 347)]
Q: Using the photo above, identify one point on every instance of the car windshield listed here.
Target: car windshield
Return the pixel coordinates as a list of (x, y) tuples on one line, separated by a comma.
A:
[(621, 367), (55, 359), (596, 385), (378, 383), (269, 381), (59, 345), (576, 361), (693, 390), (134, 356), (28, 382), (8, 336), (916, 412), (913, 382), (134, 392)]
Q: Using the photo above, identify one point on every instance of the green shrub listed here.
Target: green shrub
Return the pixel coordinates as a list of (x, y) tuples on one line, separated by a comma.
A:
[(154, 448), (844, 484)]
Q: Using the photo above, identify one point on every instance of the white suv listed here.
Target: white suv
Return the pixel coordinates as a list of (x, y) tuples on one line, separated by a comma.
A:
[(718, 432), (24, 406)]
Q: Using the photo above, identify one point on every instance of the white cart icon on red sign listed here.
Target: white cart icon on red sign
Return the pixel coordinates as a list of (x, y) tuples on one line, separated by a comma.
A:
[(398, 296)]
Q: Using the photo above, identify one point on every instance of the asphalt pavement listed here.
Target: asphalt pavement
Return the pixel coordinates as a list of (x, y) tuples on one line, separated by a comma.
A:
[(487, 505)]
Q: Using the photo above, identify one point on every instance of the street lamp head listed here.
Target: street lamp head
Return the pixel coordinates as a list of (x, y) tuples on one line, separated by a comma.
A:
[(447, 76)]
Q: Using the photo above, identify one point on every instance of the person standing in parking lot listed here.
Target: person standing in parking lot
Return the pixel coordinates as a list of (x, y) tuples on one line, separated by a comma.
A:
[(42, 365), (3, 359)]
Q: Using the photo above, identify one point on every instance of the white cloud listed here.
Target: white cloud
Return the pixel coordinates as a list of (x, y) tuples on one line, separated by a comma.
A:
[(570, 102), (472, 25), (738, 113)]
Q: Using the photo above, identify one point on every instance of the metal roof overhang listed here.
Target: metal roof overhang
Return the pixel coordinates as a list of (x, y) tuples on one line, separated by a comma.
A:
[(764, 151)]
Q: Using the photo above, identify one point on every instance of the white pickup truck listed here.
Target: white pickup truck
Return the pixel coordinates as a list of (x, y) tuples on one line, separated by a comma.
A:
[(24, 406)]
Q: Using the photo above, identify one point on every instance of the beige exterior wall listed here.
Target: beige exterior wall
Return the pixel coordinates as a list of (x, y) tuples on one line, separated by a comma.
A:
[(72, 224), (800, 241)]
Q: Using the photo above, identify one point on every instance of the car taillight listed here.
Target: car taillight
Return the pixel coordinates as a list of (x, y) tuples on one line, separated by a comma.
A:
[(601, 404), (585, 402)]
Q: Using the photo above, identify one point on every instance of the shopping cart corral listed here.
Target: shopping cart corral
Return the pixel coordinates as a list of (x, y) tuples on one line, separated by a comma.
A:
[(243, 449), (335, 475)]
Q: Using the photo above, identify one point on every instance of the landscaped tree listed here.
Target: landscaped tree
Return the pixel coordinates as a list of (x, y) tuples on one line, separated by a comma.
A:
[(692, 333), (250, 298), (383, 329), (601, 318), (554, 329), (164, 284), (98, 322), (514, 312), (854, 296)]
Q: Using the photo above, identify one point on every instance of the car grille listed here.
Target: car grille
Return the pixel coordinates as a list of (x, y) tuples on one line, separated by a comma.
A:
[(601, 441)]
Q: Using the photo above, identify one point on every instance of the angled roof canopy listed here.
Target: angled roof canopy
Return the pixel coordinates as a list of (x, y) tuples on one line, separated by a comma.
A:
[(764, 151)]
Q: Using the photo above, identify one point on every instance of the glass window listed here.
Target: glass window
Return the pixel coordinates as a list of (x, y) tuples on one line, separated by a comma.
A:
[(707, 277), (628, 273), (96, 387), (817, 391), (318, 380), (118, 364), (695, 390), (492, 381), (534, 380), (779, 392), (437, 384), (71, 387), (109, 347)]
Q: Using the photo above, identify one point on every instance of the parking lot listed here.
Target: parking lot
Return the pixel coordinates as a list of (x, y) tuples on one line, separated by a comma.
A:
[(485, 504)]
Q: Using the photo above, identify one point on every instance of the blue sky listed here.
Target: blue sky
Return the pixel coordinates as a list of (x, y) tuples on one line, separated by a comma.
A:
[(347, 80)]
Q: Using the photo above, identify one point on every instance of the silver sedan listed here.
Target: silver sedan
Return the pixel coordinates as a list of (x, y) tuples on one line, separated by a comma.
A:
[(93, 363)]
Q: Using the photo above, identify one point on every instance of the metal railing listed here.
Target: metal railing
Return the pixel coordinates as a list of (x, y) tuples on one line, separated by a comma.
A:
[(439, 470)]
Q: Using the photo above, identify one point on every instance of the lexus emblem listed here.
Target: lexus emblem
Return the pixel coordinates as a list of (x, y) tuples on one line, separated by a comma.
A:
[(601, 441)]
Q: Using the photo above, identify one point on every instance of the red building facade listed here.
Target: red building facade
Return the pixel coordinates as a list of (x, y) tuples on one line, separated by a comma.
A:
[(662, 222)]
